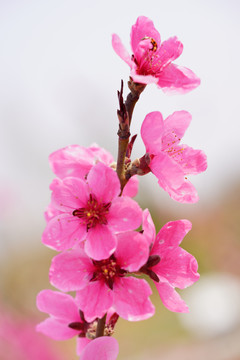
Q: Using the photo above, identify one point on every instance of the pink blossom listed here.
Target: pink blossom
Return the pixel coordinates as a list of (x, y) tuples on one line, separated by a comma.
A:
[(77, 161), (151, 61), (90, 211), (102, 348), (67, 321), (18, 339), (171, 162), (103, 284), (168, 264)]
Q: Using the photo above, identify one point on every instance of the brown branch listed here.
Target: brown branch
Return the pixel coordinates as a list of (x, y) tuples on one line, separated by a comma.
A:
[(101, 326)]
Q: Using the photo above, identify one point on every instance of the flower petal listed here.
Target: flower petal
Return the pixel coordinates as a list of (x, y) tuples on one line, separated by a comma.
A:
[(82, 342), (103, 182), (175, 126), (172, 179), (105, 347), (169, 50), (131, 188), (131, 299), (62, 232), (71, 270), (100, 242), (120, 50), (170, 298), (56, 329), (69, 194), (144, 27), (151, 132), (58, 304), (124, 214), (132, 251), (73, 160), (171, 234), (94, 300), (148, 227), (177, 79), (177, 266), (191, 161)]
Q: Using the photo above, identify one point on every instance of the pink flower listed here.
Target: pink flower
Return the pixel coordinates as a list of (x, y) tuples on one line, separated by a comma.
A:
[(90, 211), (77, 161), (103, 284), (66, 320), (151, 61), (171, 162), (105, 348), (169, 265)]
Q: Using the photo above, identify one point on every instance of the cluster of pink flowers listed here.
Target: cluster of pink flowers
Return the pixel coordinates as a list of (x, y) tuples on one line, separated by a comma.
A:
[(104, 238)]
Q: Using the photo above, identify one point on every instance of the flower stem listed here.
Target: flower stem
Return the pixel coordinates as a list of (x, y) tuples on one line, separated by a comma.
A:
[(101, 326), (125, 115)]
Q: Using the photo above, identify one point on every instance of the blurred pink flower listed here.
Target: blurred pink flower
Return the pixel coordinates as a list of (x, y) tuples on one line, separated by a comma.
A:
[(19, 340), (77, 161), (171, 162), (66, 320), (169, 265), (151, 61), (102, 348), (90, 211), (103, 284)]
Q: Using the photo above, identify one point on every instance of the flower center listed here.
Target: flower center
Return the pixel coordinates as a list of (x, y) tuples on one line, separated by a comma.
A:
[(107, 270), (93, 213)]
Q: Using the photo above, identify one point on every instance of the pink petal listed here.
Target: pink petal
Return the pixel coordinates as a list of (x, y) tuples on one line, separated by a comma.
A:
[(191, 161), (151, 132), (82, 342), (121, 51), (101, 154), (175, 126), (62, 232), (69, 194), (170, 298), (131, 299), (131, 189), (73, 160), (124, 214), (144, 27), (56, 329), (100, 243), (186, 193), (58, 304), (171, 234), (71, 270), (143, 79), (177, 79), (169, 174), (148, 227), (103, 183), (102, 348), (177, 266), (132, 251), (169, 50), (94, 300)]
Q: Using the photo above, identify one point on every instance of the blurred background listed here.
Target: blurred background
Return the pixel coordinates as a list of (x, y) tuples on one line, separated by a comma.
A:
[(58, 82)]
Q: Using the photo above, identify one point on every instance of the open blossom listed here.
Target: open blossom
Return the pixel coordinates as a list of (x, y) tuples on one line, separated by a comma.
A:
[(172, 162), (90, 211), (151, 61), (77, 161), (106, 284), (168, 264), (66, 320)]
